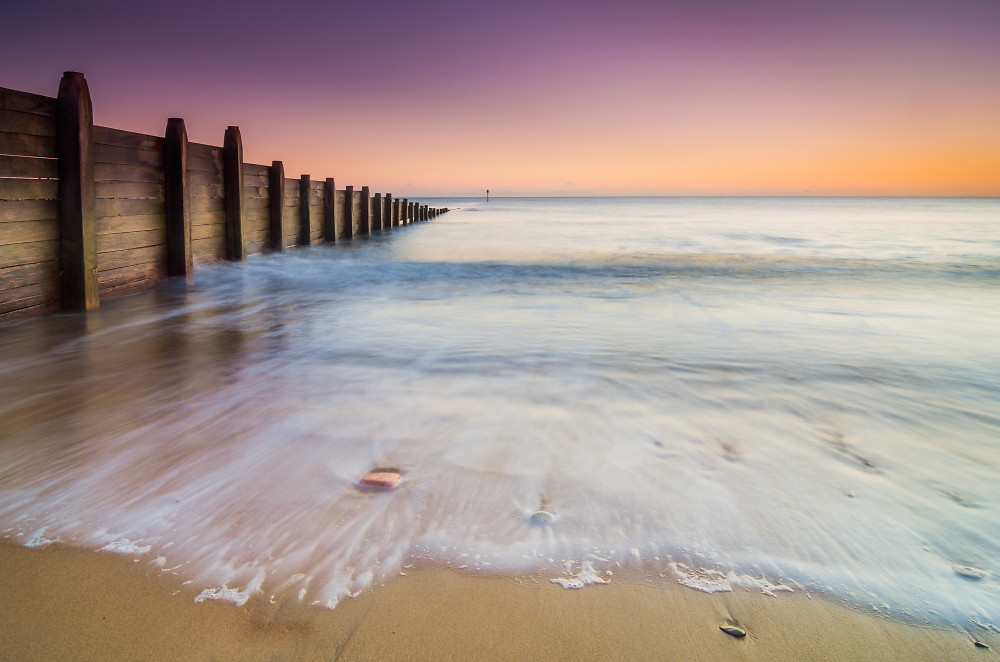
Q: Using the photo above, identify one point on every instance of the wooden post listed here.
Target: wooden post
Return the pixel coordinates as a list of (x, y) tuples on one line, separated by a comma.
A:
[(340, 220), (403, 211), (177, 197), (329, 210), (77, 200), (387, 214), (276, 192), (363, 224), (305, 189), (377, 210), (232, 170), (349, 211), (397, 205)]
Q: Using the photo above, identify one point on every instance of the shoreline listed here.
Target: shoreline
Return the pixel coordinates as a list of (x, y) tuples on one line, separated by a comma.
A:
[(62, 602)]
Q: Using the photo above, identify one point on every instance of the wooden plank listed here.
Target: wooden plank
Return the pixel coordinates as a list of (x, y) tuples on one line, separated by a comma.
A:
[(152, 190), (257, 203), (119, 259), (128, 155), (29, 189), (12, 255), (214, 246), (38, 310), (200, 151), (26, 102), (116, 137), (254, 170), (207, 231), (28, 167), (215, 217), (12, 211), (258, 216), (29, 124), (257, 192), (125, 241), (19, 144), (141, 223), (107, 207), (30, 295), (317, 186), (200, 164), (204, 177), (130, 274), (206, 190), (254, 181), (204, 259), (28, 231), (291, 189), (207, 204), (28, 274), (120, 172), (134, 287)]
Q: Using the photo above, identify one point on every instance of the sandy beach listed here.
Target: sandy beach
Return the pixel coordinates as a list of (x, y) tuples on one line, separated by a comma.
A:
[(65, 603)]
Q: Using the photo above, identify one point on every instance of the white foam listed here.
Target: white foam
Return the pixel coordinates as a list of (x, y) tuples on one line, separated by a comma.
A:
[(125, 546), (585, 577), (224, 593), (38, 539)]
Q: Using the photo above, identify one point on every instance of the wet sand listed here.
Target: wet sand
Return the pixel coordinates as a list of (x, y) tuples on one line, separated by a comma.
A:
[(64, 603)]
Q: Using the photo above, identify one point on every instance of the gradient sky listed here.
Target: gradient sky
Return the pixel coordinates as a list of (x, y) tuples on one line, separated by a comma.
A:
[(550, 98)]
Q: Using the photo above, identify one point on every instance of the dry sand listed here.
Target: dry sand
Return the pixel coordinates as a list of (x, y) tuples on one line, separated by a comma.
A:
[(60, 603)]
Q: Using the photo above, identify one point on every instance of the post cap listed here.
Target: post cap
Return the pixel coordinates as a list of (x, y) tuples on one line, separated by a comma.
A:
[(72, 74), (175, 119), (234, 128)]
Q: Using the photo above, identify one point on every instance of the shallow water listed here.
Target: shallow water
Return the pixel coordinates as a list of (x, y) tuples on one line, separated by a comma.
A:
[(764, 393)]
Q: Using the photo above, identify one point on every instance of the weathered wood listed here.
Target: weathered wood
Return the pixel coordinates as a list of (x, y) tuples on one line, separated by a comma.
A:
[(13, 255), (19, 144), (121, 172), (202, 164), (38, 310), (276, 236), (123, 241), (207, 231), (139, 223), (377, 210), (206, 178), (202, 151), (27, 167), (180, 259), (29, 189), (141, 271), (257, 183), (232, 162), (28, 295), (127, 155), (28, 231), (208, 191), (29, 124), (77, 199), (26, 102), (113, 189), (364, 220), (304, 190), (330, 210), (29, 274), (214, 247), (28, 210), (208, 217), (349, 218), (387, 212), (396, 207), (105, 135), (255, 170), (146, 278), (128, 258)]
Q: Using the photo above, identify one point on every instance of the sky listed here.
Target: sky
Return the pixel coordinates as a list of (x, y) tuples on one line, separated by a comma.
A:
[(550, 98)]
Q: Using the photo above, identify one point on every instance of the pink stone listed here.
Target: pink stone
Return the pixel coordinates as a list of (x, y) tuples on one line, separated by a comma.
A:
[(381, 479)]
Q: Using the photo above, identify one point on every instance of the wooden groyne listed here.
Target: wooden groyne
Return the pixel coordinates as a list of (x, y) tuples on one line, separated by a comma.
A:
[(89, 213)]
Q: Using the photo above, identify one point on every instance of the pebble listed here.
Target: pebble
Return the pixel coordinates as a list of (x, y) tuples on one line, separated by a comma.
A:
[(733, 631), (381, 479), (980, 644), (969, 572), (542, 517)]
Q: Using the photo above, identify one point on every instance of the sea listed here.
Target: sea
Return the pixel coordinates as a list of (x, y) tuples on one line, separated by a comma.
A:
[(766, 394)]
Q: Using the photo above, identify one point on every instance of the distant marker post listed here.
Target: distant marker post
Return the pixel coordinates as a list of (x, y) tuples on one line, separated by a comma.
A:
[(487, 195)]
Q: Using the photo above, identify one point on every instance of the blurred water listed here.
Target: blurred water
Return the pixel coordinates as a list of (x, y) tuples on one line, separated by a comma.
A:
[(769, 393)]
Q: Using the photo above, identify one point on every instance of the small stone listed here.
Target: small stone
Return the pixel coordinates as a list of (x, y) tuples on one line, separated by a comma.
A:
[(968, 572), (733, 631), (542, 518), (380, 479), (980, 644)]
